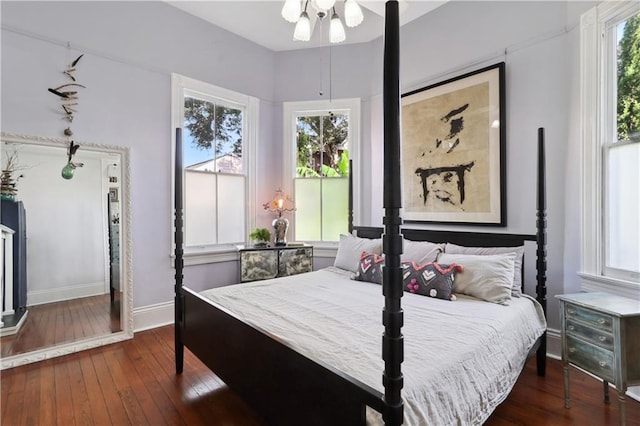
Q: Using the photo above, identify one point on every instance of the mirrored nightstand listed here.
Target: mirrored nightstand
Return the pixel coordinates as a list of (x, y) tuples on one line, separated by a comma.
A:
[(262, 263), (601, 335)]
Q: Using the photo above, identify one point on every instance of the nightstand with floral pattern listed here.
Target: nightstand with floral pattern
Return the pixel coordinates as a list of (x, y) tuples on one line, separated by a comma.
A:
[(262, 263)]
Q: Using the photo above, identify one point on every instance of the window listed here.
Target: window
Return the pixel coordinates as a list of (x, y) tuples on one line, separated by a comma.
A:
[(320, 138), (611, 147), (217, 134)]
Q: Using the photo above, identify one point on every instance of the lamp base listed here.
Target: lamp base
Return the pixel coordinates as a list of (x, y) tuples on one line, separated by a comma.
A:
[(280, 226)]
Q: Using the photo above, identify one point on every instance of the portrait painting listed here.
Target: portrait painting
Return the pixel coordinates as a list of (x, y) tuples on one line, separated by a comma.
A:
[(453, 167)]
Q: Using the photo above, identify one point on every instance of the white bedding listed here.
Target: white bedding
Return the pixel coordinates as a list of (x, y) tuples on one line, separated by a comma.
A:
[(461, 357)]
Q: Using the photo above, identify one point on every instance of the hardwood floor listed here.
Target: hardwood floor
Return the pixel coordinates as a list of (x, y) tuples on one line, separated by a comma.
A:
[(60, 322), (134, 383)]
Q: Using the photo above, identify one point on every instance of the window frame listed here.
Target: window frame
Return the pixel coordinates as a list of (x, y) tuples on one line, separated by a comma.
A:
[(180, 84), (291, 111), (598, 124)]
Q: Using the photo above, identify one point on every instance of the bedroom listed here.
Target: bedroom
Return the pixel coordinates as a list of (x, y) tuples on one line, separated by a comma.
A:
[(130, 58)]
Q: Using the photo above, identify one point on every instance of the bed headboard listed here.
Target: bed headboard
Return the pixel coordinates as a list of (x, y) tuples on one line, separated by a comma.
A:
[(461, 238), (471, 239)]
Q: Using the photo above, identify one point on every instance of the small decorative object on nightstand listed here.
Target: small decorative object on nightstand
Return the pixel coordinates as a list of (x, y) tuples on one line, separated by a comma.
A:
[(601, 334), (271, 262), (280, 203)]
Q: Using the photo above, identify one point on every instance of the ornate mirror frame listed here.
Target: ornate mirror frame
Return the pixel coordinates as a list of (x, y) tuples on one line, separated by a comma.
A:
[(126, 263)]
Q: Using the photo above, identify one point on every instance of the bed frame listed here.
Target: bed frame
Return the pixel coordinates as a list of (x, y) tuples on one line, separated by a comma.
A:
[(287, 387)]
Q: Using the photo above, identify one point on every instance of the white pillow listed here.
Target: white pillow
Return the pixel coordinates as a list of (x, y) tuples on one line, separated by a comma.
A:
[(351, 247), (420, 252), (516, 290), (487, 277)]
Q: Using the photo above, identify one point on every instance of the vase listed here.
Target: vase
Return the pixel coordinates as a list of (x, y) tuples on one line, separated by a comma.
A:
[(7, 197), (67, 171), (280, 226)]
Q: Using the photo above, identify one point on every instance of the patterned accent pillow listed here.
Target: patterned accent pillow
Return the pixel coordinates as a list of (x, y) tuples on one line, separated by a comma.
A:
[(370, 268), (430, 279)]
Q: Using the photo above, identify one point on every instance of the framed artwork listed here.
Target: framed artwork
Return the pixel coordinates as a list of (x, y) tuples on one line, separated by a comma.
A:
[(453, 150), (113, 195)]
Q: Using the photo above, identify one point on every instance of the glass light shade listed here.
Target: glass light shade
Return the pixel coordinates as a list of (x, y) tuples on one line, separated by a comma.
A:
[(352, 13), (303, 28), (336, 30), (323, 4), (291, 10)]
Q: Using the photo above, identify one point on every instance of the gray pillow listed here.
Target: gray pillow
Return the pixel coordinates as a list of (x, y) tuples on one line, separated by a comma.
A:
[(420, 252), (351, 247), (516, 290), (487, 277)]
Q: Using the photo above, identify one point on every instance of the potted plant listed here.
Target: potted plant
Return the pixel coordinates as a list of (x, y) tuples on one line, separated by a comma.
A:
[(8, 178), (261, 236)]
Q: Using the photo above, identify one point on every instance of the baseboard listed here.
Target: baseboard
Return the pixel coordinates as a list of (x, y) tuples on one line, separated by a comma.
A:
[(153, 316), (13, 323), (40, 297), (554, 344)]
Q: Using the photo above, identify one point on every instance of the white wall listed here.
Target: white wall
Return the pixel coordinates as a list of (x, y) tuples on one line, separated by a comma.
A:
[(130, 50), (539, 42), (128, 98), (65, 225)]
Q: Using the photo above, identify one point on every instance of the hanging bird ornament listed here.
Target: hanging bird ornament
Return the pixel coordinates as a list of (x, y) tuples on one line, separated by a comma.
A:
[(68, 169), (68, 96)]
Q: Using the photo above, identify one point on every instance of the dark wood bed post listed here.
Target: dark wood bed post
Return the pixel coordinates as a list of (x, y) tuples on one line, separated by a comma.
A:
[(392, 315), (541, 237), (179, 263), (350, 205)]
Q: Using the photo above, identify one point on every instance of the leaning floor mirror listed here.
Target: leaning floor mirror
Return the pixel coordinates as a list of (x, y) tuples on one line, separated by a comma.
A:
[(66, 247)]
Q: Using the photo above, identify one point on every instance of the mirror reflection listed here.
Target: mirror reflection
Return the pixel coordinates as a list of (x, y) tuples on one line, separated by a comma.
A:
[(61, 245)]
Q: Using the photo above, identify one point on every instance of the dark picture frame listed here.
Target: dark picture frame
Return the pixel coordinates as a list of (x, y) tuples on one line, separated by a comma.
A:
[(113, 195), (453, 150)]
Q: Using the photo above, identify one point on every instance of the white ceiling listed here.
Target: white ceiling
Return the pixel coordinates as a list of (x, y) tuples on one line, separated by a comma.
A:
[(260, 21)]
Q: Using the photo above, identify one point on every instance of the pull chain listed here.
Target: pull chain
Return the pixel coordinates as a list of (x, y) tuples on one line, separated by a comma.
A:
[(330, 73), (320, 16)]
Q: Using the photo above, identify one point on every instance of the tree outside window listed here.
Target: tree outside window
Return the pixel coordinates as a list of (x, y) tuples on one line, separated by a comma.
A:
[(628, 102), (322, 169), (622, 156)]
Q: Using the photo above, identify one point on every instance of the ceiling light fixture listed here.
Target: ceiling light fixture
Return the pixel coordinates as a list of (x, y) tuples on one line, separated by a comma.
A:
[(292, 11)]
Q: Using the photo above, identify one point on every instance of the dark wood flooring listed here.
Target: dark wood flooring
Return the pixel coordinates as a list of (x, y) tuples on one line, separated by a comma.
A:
[(134, 383), (62, 322)]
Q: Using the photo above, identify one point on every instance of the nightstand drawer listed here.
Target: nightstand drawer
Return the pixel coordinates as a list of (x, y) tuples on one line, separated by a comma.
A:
[(596, 319), (295, 261), (596, 360), (258, 265), (592, 334)]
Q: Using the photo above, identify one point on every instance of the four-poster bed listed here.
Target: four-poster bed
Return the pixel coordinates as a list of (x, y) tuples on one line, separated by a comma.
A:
[(285, 380)]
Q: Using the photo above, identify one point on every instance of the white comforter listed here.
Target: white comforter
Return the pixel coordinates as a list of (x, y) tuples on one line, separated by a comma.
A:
[(461, 357)]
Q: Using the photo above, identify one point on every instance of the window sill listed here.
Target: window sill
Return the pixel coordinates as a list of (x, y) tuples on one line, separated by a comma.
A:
[(325, 249), (204, 255), (615, 286), (229, 253)]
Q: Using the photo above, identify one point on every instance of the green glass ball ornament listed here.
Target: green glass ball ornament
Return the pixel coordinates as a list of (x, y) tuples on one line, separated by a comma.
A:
[(67, 171)]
